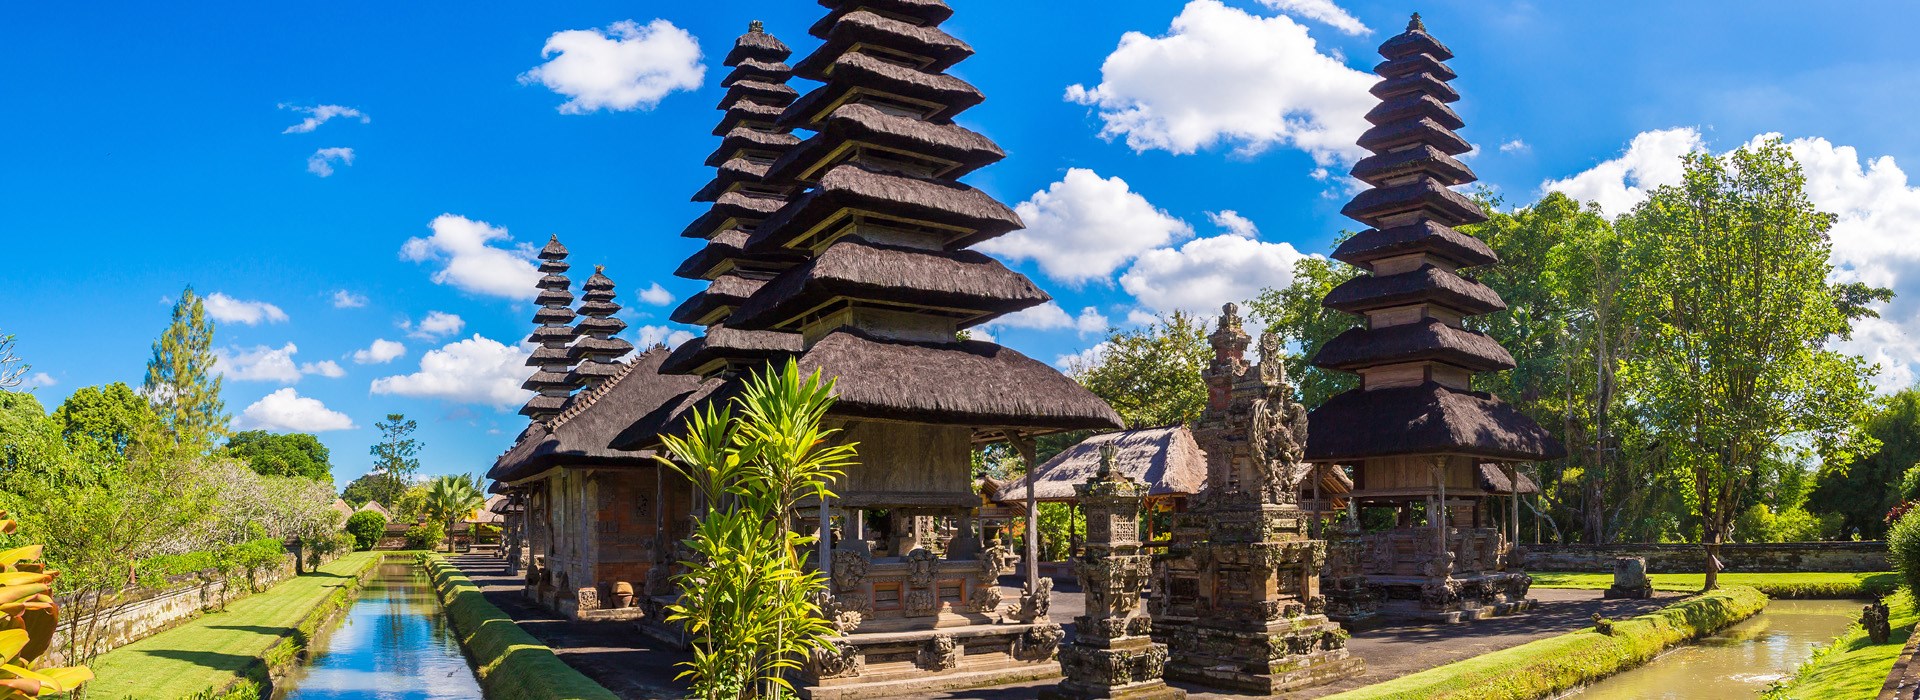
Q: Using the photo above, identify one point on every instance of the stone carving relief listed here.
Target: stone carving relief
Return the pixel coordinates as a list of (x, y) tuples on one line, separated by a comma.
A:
[(836, 660), (921, 603), (940, 653), (1038, 643), (1033, 606), (849, 570), (920, 567)]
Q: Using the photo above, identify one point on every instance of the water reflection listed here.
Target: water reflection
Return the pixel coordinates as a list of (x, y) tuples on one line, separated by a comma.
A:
[(1739, 661), (393, 645)]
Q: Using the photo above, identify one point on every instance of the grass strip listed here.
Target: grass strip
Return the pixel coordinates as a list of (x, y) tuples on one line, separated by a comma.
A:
[(1852, 666), (512, 664), (1837, 584), (215, 654), (1543, 667)]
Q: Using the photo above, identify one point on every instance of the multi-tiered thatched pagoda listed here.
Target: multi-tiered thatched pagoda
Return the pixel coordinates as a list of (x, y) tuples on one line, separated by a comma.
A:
[(855, 249), (1415, 433), (552, 333)]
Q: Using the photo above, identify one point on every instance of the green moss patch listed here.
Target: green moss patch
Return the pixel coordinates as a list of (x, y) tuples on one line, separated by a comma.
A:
[(1547, 666), (512, 664)]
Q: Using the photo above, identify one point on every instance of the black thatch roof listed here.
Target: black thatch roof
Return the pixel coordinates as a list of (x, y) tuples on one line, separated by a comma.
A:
[(856, 268), (1427, 340), (1395, 134), (855, 186), (1409, 65), (753, 69), (777, 94), (583, 434), (756, 45), (1414, 41), (1373, 206), (921, 11), (553, 315), (553, 297), (726, 291), (547, 355), (730, 208), (1376, 170), (542, 404), (544, 334), (940, 49), (1407, 107), (858, 70), (1167, 459), (749, 139), (730, 245), (738, 114), (1427, 419), (1493, 479), (730, 173), (722, 343), (1416, 84), (1427, 284), (553, 250), (644, 430), (966, 149)]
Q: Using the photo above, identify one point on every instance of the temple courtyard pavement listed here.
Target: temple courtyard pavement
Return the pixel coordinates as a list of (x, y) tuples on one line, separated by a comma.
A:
[(633, 666)]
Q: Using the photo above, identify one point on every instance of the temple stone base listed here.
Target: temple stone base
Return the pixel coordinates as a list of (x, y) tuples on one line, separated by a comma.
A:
[(1459, 598), (1292, 654), (888, 664), (1118, 665)]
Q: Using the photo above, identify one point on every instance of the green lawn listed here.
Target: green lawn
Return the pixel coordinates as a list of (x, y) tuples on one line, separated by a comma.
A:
[(1853, 667), (218, 648), (1789, 585)]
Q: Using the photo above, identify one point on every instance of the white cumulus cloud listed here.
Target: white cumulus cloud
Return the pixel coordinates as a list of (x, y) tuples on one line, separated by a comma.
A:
[(39, 380), (343, 299), (478, 370), (1652, 159), (626, 66), (649, 336), (470, 261), (1323, 11), (1082, 360), (324, 368), (436, 324), (1514, 146), (1084, 227), (259, 363), (1233, 223), (287, 411), (321, 162), (1050, 316), (226, 309), (1207, 272), (1222, 75), (321, 114), (380, 352), (656, 295)]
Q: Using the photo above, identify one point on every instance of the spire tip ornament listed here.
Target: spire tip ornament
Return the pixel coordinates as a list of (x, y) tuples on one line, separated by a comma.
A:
[(1415, 25), (756, 27)]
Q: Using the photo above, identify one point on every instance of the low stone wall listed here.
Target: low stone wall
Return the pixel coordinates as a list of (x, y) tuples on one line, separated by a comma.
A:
[(138, 613), (1690, 558)]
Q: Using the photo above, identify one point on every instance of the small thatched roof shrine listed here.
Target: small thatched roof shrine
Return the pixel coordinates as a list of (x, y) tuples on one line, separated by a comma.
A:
[(1166, 459)]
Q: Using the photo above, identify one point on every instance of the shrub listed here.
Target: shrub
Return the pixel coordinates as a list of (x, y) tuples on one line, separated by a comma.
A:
[(366, 527), (427, 535), (1903, 548), (27, 623)]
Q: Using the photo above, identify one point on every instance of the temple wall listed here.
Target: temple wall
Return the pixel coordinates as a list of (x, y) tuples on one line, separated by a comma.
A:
[(138, 613), (596, 529), (1690, 558)]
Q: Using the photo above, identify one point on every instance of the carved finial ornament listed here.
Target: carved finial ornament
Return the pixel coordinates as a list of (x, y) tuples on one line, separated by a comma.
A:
[(755, 27), (1414, 25)]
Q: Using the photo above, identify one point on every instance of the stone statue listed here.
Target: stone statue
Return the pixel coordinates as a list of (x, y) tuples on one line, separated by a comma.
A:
[(1279, 430)]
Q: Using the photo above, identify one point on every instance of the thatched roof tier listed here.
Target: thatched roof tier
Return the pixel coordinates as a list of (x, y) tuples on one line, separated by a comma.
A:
[(738, 171), (599, 325), (963, 283), (1416, 84), (597, 308), (583, 434), (745, 139), (726, 292), (729, 246), (1407, 107), (1425, 419), (553, 250), (919, 11), (543, 404), (1427, 237), (748, 115), (553, 280), (551, 334), (554, 267), (757, 70), (1493, 479), (860, 28), (598, 282), (671, 415), (1397, 134), (881, 196), (1168, 460), (730, 210), (722, 345), (553, 297), (756, 45), (543, 378), (1430, 339), (553, 315), (1429, 284), (776, 94), (547, 355), (593, 369), (1414, 41), (1411, 65), (954, 150), (965, 382), (1425, 196), (939, 94), (1423, 160), (598, 347)]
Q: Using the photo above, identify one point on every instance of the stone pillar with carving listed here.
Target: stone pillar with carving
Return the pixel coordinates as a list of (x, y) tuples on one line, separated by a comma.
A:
[(1112, 655)]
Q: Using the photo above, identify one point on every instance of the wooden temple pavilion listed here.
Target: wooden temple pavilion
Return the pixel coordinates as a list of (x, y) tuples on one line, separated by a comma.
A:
[(848, 252), (1415, 432)]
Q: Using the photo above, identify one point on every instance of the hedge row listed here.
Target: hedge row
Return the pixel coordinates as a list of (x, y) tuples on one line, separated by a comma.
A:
[(512, 664), (1548, 666)]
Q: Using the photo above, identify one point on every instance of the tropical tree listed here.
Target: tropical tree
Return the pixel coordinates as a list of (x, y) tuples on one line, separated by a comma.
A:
[(282, 454), (1151, 375), (367, 487), (181, 381), (1858, 488), (747, 597), (107, 422), (395, 456), (453, 498), (1295, 314), (1731, 268)]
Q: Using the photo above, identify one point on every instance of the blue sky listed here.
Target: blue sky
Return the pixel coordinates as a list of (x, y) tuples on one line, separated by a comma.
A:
[(148, 147)]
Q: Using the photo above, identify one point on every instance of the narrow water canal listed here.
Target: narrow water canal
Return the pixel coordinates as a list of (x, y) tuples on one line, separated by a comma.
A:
[(393, 645), (1741, 660)]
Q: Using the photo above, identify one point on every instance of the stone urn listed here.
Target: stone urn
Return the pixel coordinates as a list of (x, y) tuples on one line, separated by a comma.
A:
[(1630, 579), (622, 594)]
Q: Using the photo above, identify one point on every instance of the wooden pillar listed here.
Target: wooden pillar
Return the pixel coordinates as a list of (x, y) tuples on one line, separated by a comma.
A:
[(825, 563), (1315, 476), (1513, 522), (1024, 445), (1440, 493)]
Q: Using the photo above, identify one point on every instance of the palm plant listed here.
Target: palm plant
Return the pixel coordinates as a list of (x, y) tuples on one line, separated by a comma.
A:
[(453, 497), (748, 599)]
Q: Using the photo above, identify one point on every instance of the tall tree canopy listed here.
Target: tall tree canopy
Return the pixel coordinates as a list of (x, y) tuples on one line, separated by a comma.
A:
[(1861, 489), (282, 454), (107, 421), (181, 380), (1151, 375), (1294, 313), (1731, 270), (395, 455)]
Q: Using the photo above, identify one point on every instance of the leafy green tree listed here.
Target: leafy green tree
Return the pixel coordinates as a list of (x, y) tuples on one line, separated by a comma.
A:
[(452, 498), (395, 456), (371, 486), (411, 506), (366, 527), (1732, 269), (13, 370), (749, 601), (1294, 313), (181, 381), (107, 421), (282, 454), (1861, 489), (1151, 375)]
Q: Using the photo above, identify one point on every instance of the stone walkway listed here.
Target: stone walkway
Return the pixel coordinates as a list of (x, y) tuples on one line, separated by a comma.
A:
[(617, 656)]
